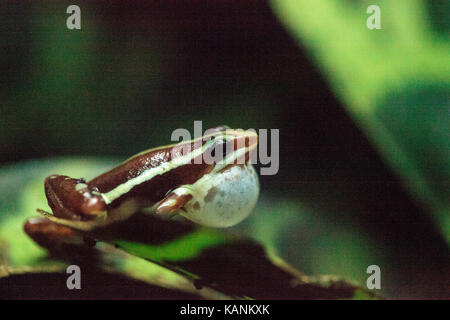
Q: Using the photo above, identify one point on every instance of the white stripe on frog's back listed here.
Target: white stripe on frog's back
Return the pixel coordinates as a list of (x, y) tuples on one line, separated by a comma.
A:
[(150, 173)]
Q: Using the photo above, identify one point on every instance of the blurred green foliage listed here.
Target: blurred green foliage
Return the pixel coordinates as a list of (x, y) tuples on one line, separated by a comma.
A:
[(394, 81)]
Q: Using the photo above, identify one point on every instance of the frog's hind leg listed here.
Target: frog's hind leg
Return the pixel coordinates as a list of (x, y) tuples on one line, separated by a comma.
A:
[(73, 199)]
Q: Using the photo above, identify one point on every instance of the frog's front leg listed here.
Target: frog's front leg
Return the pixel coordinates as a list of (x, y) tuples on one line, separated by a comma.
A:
[(174, 202)]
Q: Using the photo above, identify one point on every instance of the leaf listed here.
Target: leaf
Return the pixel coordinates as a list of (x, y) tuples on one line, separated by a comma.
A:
[(187, 259), (234, 265), (392, 81), (21, 187)]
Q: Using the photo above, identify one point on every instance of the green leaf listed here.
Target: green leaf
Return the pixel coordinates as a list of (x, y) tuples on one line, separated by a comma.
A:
[(231, 264), (393, 81), (22, 192), (175, 255)]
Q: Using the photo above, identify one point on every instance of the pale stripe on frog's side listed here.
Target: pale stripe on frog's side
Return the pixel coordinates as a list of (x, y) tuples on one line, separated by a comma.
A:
[(150, 173)]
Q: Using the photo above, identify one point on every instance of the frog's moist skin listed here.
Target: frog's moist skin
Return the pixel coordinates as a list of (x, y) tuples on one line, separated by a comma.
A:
[(166, 180)]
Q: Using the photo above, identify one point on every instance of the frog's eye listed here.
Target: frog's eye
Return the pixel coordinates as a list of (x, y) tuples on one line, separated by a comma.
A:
[(220, 149), (80, 180), (221, 128)]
